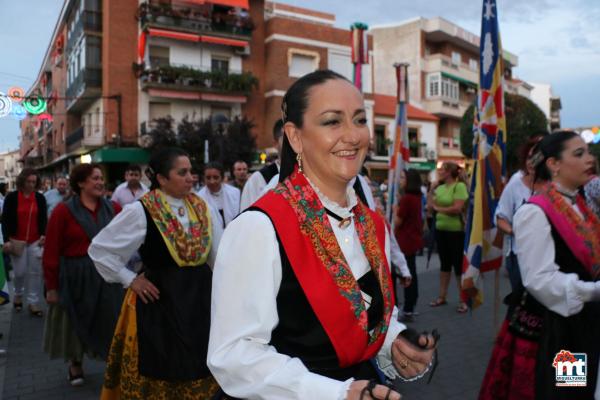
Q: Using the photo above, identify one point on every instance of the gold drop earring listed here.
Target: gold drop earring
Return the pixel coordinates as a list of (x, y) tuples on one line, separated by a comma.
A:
[(299, 160)]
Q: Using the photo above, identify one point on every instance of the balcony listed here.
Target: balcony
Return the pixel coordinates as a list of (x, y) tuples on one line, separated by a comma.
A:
[(442, 63), (86, 87), (449, 147), (198, 19), (446, 107), (88, 21), (93, 137), (178, 80)]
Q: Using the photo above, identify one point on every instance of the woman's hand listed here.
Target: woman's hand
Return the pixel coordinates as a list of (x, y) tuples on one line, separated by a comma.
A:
[(409, 360), (378, 392), (406, 281), (144, 289), (42, 240), (7, 247), (52, 296)]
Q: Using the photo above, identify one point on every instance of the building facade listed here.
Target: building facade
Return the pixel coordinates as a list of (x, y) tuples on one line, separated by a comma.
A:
[(10, 167), (422, 136), (443, 70), (543, 96), (299, 41), (112, 67)]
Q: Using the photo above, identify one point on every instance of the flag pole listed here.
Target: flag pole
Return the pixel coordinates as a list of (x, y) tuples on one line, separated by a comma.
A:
[(360, 51)]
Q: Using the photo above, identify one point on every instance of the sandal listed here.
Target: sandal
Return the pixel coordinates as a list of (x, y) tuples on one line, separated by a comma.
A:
[(75, 379), (35, 313), (438, 302), (18, 306), (462, 308)]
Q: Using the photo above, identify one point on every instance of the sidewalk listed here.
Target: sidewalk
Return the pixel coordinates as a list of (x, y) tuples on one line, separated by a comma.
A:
[(30, 375), (464, 350)]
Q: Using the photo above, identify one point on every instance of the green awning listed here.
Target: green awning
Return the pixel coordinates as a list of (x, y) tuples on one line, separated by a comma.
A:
[(422, 165), (459, 79), (134, 155)]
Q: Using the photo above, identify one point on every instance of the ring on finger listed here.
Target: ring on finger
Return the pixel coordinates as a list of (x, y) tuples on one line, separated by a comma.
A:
[(404, 363), (145, 291)]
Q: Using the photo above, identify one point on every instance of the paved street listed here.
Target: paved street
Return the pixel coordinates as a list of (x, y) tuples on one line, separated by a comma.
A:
[(465, 347)]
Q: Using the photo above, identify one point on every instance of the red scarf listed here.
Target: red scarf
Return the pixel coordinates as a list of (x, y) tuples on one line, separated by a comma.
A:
[(322, 270), (582, 236)]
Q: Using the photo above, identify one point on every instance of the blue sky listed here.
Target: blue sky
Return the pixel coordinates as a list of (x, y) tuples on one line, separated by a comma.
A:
[(557, 42)]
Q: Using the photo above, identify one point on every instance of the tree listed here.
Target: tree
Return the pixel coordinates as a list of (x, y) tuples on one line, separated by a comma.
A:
[(227, 143), (523, 119)]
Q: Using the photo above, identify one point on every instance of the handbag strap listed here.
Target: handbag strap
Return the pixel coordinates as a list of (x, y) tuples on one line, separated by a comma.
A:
[(29, 219)]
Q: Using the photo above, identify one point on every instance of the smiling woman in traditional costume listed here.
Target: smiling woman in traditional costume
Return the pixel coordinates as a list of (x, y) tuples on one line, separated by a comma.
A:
[(557, 308), (160, 343), (305, 303)]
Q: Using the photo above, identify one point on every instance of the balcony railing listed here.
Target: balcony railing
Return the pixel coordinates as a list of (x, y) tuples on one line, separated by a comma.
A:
[(88, 21), (442, 63), (86, 79), (196, 19), (180, 77)]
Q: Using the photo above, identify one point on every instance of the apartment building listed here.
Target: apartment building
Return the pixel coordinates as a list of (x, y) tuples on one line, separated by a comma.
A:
[(201, 60), (114, 66), (543, 96), (299, 41), (443, 71)]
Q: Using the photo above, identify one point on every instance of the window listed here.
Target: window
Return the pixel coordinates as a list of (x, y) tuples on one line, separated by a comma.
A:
[(381, 144), (302, 63), (433, 85), (340, 63), (456, 58), (93, 51), (443, 86), (159, 110), (413, 142), (473, 65), (97, 120), (219, 65), (159, 56)]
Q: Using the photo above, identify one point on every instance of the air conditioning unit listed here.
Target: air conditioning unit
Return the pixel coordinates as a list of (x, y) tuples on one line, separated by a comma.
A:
[(242, 51)]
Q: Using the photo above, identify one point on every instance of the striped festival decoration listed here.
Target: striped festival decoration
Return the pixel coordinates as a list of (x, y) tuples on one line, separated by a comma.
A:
[(483, 241), (360, 51), (399, 150)]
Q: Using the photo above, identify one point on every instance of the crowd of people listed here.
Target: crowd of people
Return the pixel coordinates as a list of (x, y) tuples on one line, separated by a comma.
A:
[(285, 283)]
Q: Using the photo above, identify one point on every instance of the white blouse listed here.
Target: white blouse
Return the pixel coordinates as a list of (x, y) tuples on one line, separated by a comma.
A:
[(246, 280), (565, 294), (114, 245)]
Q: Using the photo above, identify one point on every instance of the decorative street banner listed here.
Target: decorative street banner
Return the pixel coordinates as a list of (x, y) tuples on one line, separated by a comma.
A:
[(399, 150), (360, 51), (483, 241)]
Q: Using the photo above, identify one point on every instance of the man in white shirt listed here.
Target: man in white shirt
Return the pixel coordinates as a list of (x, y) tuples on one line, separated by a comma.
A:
[(253, 189), (56, 195), (222, 197), (132, 189)]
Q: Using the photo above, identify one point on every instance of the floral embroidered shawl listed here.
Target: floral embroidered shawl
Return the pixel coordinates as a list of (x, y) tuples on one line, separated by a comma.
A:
[(188, 248), (582, 236)]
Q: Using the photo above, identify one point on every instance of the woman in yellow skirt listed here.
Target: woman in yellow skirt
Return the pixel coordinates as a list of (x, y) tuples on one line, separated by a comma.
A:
[(160, 344)]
